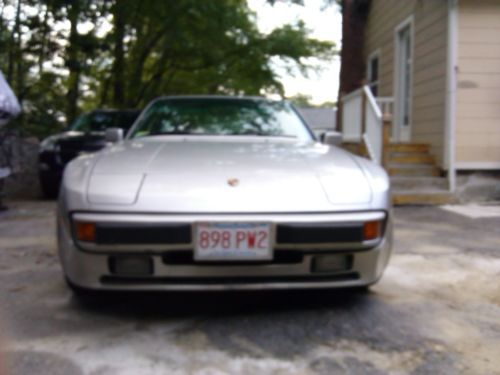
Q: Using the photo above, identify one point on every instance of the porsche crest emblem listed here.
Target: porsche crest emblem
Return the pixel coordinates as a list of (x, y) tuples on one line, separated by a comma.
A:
[(233, 182)]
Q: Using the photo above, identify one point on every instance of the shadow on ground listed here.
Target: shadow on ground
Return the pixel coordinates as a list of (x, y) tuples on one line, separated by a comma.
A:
[(183, 304)]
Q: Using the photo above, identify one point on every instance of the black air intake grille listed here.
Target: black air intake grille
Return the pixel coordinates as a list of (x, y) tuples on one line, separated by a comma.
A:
[(318, 233), (115, 234), (183, 257)]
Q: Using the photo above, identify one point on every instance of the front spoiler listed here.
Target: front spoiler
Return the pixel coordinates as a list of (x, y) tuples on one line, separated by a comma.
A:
[(90, 271)]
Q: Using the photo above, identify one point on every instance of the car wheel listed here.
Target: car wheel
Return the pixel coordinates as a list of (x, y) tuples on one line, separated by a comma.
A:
[(365, 289), (81, 293), (50, 189)]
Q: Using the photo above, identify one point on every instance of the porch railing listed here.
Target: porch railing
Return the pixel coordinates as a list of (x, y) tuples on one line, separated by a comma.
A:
[(386, 104), (367, 120)]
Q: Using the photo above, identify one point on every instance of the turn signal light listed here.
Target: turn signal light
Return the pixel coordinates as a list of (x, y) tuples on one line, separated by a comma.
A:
[(85, 231), (371, 230)]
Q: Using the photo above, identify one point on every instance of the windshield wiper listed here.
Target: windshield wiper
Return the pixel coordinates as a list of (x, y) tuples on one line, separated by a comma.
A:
[(269, 135), (171, 133)]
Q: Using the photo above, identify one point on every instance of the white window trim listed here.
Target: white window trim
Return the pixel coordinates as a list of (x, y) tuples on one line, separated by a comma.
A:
[(371, 56), (408, 22), (451, 95)]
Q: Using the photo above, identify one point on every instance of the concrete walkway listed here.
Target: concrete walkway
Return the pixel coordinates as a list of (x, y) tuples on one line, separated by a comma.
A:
[(436, 311)]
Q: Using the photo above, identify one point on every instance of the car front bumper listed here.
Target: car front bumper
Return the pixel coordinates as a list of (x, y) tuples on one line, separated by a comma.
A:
[(91, 269)]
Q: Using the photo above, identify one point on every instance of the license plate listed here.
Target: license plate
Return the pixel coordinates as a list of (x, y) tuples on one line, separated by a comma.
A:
[(233, 241)]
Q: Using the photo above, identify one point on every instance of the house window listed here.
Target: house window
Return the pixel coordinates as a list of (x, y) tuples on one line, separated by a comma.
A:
[(403, 44), (372, 72), (405, 62)]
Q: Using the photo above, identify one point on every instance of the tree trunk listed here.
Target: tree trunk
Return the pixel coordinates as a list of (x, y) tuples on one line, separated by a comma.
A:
[(73, 64), (118, 62), (104, 91), (45, 31), (13, 47), (2, 27)]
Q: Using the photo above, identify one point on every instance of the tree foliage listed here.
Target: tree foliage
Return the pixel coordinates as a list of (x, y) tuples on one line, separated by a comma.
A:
[(305, 101), (65, 56)]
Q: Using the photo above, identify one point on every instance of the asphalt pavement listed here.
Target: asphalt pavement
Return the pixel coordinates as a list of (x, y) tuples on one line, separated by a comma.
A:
[(435, 311)]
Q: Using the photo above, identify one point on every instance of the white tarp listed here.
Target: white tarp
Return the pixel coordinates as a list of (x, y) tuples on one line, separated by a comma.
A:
[(9, 108), (4, 172), (9, 105)]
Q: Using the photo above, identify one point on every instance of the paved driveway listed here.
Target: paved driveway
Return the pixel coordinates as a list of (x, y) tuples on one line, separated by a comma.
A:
[(436, 311)]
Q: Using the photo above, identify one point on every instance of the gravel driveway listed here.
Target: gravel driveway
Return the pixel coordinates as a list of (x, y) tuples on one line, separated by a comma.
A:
[(436, 311)]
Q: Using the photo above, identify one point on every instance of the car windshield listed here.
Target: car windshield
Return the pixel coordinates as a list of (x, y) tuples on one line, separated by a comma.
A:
[(220, 116), (100, 121)]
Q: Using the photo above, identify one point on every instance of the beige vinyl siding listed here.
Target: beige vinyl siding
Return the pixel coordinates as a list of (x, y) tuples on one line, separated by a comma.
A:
[(429, 62), (478, 84)]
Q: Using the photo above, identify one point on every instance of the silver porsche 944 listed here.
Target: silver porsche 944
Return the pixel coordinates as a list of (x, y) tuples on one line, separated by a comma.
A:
[(217, 193)]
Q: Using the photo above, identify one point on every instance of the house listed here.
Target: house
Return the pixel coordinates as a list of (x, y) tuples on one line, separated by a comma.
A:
[(319, 119), (434, 67)]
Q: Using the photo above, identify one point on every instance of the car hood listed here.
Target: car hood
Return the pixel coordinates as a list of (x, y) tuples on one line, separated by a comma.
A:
[(209, 174)]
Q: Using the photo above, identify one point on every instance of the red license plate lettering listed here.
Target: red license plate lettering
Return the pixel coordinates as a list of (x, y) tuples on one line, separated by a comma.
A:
[(232, 241)]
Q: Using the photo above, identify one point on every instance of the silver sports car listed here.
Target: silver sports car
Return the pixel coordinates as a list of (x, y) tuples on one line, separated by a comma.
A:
[(218, 193)]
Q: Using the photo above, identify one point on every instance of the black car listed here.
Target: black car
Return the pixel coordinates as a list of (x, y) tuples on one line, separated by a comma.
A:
[(85, 134)]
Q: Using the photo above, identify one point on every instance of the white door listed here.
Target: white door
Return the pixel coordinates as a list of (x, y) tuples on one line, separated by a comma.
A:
[(402, 123)]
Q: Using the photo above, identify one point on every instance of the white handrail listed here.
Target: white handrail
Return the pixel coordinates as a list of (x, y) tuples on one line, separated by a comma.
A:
[(352, 120), (372, 101), (351, 116), (386, 104), (352, 94), (373, 136)]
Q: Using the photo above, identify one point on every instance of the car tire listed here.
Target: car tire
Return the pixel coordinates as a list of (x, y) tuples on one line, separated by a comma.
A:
[(50, 189), (80, 293), (365, 289)]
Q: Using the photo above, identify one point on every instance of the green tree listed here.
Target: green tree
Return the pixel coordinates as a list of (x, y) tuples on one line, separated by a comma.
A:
[(301, 100), (134, 51)]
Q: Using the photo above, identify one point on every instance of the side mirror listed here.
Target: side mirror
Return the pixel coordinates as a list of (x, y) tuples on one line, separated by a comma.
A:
[(331, 138), (114, 135)]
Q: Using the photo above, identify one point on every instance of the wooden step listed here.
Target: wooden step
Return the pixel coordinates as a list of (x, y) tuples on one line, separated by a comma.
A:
[(400, 153), (414, 170), (408, 147), (412, 184), (412, 159), (422, 198), (351, 147)]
